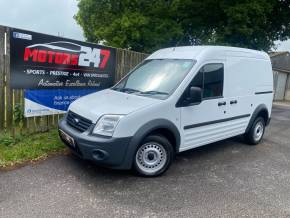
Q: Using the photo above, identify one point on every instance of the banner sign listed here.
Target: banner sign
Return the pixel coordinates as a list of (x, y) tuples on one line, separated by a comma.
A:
[(51, 101), (39, 61)]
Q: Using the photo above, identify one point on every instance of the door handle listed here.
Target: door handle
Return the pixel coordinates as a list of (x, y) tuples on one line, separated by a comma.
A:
[(222, 103), (233, 102)]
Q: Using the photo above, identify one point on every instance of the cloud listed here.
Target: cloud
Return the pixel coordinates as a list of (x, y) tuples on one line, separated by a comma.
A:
[(54, 17)]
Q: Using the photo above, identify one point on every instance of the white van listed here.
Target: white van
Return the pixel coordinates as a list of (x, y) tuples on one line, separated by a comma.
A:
[(177, 99)]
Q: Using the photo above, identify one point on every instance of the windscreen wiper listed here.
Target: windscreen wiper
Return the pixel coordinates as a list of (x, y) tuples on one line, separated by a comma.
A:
[(152, 92), (128, 90)]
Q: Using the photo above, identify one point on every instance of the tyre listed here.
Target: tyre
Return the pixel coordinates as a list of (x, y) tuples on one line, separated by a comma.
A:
[(256, 132), (154, 156)]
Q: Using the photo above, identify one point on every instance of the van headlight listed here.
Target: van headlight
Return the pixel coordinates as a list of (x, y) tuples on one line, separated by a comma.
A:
[(107, 124)]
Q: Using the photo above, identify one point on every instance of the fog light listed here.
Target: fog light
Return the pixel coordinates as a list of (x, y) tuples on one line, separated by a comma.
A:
[(100, 155)]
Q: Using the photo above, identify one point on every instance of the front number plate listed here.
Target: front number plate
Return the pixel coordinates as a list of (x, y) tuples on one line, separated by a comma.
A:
[(67, 138)]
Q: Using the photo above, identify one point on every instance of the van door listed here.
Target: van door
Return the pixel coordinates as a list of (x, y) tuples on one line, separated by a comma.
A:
[(205, 122), (239, 90)]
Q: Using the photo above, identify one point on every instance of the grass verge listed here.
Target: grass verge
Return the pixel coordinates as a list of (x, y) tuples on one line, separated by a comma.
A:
[(26, 148)]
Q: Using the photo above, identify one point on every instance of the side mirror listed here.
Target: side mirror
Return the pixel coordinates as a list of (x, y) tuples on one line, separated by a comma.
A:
[(195, 95)]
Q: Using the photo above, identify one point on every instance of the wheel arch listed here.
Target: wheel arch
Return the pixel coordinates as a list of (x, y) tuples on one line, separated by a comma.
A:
[(262, 111), (159, 126)]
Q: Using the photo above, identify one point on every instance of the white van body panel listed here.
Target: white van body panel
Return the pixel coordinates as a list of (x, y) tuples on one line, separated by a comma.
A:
[(95, 105), (134, 121), (247, 75), (246, 72), (243, 78), (206, 52)]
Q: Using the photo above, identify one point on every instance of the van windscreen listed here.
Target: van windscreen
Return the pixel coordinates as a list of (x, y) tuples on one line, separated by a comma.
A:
[(157, 78)]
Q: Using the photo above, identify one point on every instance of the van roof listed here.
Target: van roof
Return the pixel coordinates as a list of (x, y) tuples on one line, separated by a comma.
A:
[(207, 52)]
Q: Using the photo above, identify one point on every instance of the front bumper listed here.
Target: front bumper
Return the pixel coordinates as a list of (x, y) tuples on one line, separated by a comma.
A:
[(106, 151)]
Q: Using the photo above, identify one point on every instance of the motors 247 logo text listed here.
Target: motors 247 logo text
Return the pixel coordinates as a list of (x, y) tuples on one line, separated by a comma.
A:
[(67, 53)]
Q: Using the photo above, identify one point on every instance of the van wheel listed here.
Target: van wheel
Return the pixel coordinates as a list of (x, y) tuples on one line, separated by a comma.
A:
[(154, 156), (255, 135)]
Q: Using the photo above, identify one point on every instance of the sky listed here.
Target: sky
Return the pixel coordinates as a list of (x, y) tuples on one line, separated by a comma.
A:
[(54, 17)]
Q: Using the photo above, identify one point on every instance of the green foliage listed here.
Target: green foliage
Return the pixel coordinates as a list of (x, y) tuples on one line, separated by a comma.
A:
[(145, 26), (6, 139), (9, 140), (22, 148), (18, 115)]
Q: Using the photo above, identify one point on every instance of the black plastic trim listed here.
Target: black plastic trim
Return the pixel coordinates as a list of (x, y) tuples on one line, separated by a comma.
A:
[(211, 98), (261, 93), (215, 121), (222, 103), (233, 101), (268, 122), (110, 152), (82, 125), (118, 152), (144, 130), (261, 107)]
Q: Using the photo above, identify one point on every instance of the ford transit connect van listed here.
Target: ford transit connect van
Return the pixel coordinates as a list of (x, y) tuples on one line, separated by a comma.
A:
[(177, 99)]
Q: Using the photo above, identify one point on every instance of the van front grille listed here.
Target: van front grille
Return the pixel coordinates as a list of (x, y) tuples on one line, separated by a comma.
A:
[(78, 122)]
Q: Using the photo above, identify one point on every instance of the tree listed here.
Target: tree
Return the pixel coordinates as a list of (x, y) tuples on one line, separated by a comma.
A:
[(145, 25)]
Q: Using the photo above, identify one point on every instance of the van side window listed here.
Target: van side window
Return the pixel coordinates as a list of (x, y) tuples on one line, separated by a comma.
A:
[(198, 80), (210, 79), (213, 80)]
